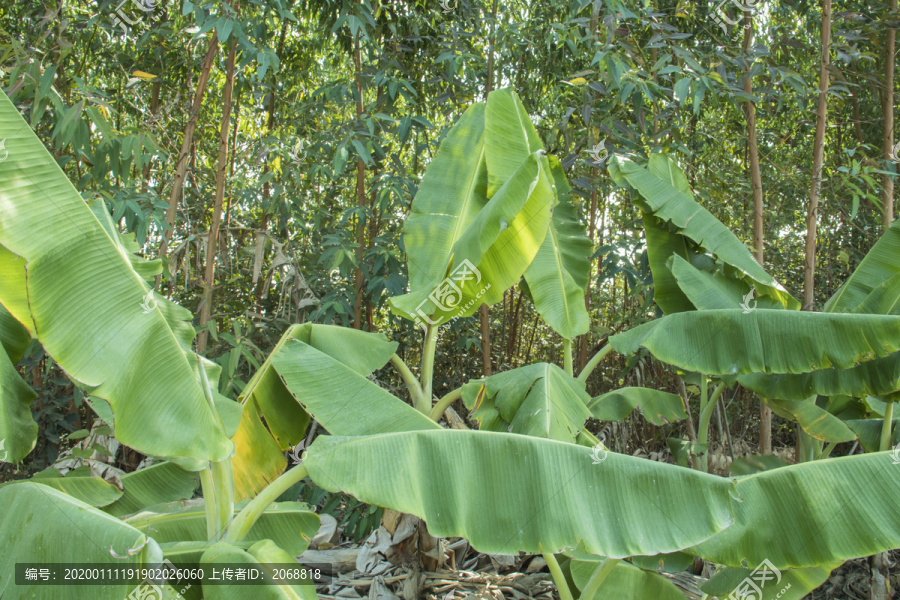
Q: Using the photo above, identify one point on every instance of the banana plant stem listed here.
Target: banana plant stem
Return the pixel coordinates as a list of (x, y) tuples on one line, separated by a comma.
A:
[(559, 579), (412, 384), (886, 427), (217, 480), (245, 520), (567, 356), (444, 403), (210, 505), (597, 578), (428, 368), (706, 411), (595, 360)]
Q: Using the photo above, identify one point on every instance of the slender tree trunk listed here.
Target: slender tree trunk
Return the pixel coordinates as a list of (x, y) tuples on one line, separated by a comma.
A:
[(237, 121), (887, 106), (154, 107), (212, 243), (765, 413), (181, 165), (812, 214), (484, 311), (360, 195)]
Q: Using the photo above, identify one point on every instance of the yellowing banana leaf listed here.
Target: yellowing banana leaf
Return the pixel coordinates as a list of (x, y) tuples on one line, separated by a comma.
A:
[(624, 582), (540, 400), (73, 268), (505, 492), (662, 192), (816, 421), (48, 526), (729, 342), (258, 460), (879, 266), (812, 514), (258, 555), (163, 482), (15, 297), (768, 583), (259, 457), (290, 524), (657, 407), (875, 377)]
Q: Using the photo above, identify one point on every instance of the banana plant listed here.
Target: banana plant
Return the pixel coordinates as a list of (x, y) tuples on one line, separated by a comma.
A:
[(530, 479), (73, 283)]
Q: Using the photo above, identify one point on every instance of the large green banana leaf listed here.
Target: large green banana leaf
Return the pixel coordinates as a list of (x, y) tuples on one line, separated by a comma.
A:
[(540, 400), (816, 421), (624, 582), (883, 300), (875, 377), (812, 514), (869, 432), (730, 342), (507, 492), (714, 290), (880, 265), (78, 484), (163, 482), (259, 457), (73, 268), (491, 254), (342, 400), (43, 525), (259, 555), (790, 584), (662, 244), (658, 407), (291, 524), (662, 188), (453, 191), (14, 337), (18, 431), (560, 271)]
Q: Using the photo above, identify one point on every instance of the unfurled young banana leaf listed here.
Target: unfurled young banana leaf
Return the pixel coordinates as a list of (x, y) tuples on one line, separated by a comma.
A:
[(506, 492), (75, 266), (664, 189), (540, 400)]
